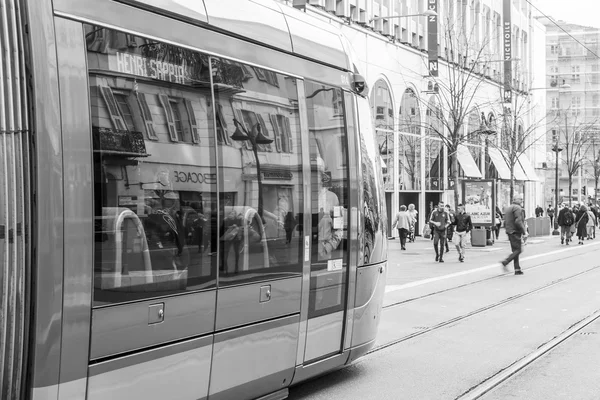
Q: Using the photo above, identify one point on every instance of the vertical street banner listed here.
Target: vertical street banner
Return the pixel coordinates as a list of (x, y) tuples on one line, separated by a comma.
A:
[(507, 50), (432, 32), (478, 198)]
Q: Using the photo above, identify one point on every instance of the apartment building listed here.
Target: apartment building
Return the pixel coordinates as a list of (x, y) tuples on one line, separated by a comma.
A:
[(573, 100)]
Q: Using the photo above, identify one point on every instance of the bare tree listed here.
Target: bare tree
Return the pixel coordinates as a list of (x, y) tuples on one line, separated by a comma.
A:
[(516, 137), (461, 77), (573, 137), (592, 159)]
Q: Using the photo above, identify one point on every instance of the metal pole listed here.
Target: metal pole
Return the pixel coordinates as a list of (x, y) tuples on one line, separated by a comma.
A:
[(555, 232)]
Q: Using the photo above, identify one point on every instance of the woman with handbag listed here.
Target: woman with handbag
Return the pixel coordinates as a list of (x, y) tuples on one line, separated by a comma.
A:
[(582, 220)]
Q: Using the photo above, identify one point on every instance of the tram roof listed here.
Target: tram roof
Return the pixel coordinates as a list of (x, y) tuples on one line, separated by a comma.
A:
[(285, 28)]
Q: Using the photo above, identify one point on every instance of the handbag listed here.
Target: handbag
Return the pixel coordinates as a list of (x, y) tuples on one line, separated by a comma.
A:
[(427, 232)]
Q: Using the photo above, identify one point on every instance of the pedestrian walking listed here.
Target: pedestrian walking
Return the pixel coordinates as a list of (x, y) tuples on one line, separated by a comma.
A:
[(565, 220), (450, 229), (515, 229), (402, 223), (414, 215), (582, 220), (440, 220), (591, 224), (550, 213), (463, 224), (539, 212), (498, 222)]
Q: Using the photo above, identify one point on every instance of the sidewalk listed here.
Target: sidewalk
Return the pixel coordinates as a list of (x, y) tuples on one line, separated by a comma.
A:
[(417, 262)]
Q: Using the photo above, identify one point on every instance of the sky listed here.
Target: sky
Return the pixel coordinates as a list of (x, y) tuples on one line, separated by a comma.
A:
[(582, 12)]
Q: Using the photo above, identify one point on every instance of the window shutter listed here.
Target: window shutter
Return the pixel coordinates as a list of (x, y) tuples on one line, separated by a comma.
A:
[(164, 100), (113, 108), (266, 147), (224, 131), (277, 131), (193, 121), (288, 134), (146, 115)]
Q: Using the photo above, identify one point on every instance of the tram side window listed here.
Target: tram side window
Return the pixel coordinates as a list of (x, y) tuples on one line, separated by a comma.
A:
[(154, 168), (262, 183), (329, 183)]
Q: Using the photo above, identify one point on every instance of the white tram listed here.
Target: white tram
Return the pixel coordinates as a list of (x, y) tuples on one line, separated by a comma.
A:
[(190, 200)]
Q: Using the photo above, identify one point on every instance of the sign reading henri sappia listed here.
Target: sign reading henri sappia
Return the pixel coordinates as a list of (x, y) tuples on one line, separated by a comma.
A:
[(134, 64), (478, 198)]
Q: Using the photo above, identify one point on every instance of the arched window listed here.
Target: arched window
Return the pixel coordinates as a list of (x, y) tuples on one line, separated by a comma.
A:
[(434, 149), (383, 112), (409, 148)]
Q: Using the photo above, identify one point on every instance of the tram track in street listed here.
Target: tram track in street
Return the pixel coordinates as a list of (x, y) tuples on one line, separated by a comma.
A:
[(489, 384), (479, 310)]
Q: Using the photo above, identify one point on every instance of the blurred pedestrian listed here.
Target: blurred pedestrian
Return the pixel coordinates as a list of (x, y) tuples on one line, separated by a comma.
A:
[(550, 214), (565, 220), (402, 223), (412, 211), (450, 229), (497, 222), (440, 220), (515, 229), (582, 219), (463, 224), (591, 224), (539, 212)]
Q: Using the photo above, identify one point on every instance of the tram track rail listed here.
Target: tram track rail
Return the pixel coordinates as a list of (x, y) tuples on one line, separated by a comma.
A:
[(489, 384), (480, 310)]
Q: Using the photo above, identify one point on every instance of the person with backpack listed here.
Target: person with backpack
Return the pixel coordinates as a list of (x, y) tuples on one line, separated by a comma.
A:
[(565, 220)]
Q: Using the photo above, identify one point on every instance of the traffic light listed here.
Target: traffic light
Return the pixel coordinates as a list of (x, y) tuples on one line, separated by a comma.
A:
[(583, 190)]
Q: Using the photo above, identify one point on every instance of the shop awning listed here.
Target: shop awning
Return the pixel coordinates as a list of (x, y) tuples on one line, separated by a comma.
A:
[(499, 162), (467, 163), (528, 169)]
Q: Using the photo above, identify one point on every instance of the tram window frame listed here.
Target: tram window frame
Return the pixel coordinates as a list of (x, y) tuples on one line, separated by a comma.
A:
[(241, 95), (141, 254)]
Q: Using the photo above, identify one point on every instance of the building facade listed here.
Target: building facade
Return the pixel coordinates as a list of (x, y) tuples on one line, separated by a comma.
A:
[(573, 111), (416, 110)]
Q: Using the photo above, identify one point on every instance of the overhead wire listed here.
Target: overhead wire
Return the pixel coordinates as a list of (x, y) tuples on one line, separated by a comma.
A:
[(562, 29)]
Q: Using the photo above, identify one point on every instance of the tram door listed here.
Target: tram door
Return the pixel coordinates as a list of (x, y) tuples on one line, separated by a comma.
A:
[(329, 208)]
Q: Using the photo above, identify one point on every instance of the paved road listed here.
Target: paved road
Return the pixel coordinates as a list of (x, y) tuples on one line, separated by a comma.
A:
[(458, 324)]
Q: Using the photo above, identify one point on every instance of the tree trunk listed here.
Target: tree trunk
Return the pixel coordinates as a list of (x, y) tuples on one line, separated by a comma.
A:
[(455, 178), (512, 184), (570, 191)]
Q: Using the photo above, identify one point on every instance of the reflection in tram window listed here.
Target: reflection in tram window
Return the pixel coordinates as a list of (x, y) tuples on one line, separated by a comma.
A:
[(328, 139), (154, 168), (260, 232)]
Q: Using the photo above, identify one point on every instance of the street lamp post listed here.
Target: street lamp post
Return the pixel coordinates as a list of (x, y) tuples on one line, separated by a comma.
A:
[(255, 137), (557, 150)]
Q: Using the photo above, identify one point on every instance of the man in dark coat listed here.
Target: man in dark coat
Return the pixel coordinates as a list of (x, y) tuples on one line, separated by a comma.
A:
[(515, 229), (440, 219), (565, 219)]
